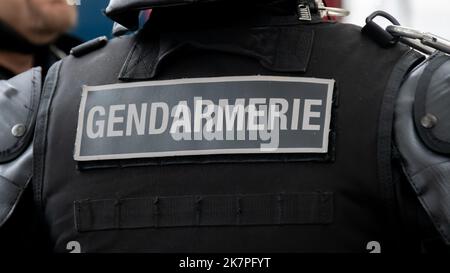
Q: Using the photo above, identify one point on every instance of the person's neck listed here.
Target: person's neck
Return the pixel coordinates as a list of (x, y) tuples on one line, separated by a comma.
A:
[(16, 62)]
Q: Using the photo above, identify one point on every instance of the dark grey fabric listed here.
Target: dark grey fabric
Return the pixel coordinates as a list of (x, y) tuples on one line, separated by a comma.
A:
[(432, 102), (14, 178), (203, 211), (19, 99), (360, 211), (427, 171)]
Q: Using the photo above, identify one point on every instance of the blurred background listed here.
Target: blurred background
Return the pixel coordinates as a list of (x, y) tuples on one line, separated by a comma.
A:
[(428, 16), (92, 22)]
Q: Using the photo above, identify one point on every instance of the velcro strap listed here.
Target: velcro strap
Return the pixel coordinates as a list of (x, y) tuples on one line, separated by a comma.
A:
[(284, 49), (212, 210)]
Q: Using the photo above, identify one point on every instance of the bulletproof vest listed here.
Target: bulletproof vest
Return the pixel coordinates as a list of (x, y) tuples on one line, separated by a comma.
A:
[(104, 182)]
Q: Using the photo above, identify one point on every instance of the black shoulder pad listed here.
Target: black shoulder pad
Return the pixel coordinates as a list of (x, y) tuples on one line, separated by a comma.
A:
[(422, 122), (19, 100), (432, 105), (89, 46)]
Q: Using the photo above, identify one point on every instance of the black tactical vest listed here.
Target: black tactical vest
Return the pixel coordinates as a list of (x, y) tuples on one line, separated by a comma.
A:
[(338, 201)]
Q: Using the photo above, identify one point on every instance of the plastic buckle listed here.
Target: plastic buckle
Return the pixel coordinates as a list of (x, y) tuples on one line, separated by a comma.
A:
[(377, 33)]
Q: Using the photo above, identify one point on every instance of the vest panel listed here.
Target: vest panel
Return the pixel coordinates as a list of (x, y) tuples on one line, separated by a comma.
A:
[(334, 202)]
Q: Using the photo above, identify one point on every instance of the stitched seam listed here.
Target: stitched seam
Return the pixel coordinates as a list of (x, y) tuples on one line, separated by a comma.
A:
[(138, 59), (41, 137), (429, 212), (130, 59), (10, 181), (430, 167)]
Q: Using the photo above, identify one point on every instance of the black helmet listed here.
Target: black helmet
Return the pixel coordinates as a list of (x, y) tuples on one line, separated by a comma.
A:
[(126, 12)]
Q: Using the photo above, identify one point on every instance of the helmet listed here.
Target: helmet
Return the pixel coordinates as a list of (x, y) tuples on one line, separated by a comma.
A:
[(126, 12)]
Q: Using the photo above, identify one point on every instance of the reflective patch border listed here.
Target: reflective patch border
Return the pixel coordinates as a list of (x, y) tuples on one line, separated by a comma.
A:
[(324, 149)]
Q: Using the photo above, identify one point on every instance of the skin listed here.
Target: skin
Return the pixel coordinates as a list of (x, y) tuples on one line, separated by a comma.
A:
[(39, 21)]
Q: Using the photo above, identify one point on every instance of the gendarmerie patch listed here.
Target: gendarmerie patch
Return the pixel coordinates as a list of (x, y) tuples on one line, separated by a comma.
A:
[(204, 116)]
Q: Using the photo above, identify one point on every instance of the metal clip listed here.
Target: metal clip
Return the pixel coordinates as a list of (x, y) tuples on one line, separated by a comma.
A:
[(427, 42), (306, 8), (304, 12), (331, 11)]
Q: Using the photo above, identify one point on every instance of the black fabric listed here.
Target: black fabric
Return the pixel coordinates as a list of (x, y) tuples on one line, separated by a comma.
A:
[(378, 34), (277, 49), (89, 46), (126, 12), (385, 134), (218, 16), (362, 70), (204, 211), (19, 234)]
